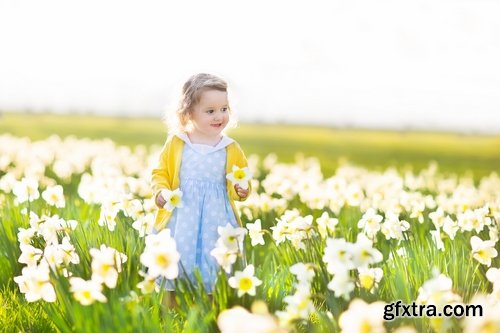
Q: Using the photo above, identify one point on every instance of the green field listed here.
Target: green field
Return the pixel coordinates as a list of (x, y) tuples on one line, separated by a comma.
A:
[(374, 149), (408, 255)]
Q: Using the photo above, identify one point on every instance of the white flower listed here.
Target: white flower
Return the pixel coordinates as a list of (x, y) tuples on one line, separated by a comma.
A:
[(239, 320), (369, 277), (53, 255), (106, 264), (69, 254), (370, 223), (245, 281), (225, 258), (53, 196), (30, 255), (341, 284), (49, 229), (437, 217), (240, 176), (493, 275), (363, 317), (255, 232), (363, 253), (354, 195), (338, 255), (437, 291), (35, 284), (488, 321), (24, 236), (299, 305), (483, 251), (144, 224), (303, 272), (450, 227), (436, 237), (393, 227), (172, 199), (326, 224), (86, 292), (108, 217), (231, 237), (280, 231), (162, 260), (26, 190), (148, 285)]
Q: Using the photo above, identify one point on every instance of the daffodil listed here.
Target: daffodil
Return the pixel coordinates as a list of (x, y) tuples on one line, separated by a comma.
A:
[(341, 284), (35, 284), (245, 281), (162, 259), (26, 190), (53, 196), (106, 264), (363, 317), (230, 237), (148, 285), (86, 292), (240, 320), (483, 251), (173, 199), (369, 278), (240, 176), (338, 255), (326, 224), (224, 257), (30, 255), (255, 232), (370, 223)]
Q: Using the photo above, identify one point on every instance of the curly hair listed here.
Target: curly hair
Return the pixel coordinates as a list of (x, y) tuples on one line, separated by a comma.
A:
[(190, 96)]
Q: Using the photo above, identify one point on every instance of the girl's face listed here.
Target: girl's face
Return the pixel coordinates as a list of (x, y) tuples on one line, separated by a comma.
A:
[(211, 115)]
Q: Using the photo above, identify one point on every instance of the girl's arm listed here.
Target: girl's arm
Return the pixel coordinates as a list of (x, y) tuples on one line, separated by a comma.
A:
[(159, 175)]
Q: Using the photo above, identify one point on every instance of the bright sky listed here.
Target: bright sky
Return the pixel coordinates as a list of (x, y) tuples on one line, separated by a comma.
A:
[(427, 64)]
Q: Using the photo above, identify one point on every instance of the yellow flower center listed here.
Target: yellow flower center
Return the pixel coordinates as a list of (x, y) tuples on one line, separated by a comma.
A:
[(365, 327), (175, 200), (365, 254), (162, 260), (366, 281), (245, 284), (239, 174), (86, 294), (104, 269), (487, 327), (482, 254)]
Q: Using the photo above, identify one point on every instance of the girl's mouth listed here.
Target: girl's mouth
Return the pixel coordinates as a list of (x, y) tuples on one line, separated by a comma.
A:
[(216, 125)]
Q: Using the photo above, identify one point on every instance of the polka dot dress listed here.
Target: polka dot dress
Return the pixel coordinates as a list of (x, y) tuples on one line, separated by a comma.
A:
[(205, 207)]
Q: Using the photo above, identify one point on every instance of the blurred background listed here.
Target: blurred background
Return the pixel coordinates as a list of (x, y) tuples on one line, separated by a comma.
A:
[(350, 69)]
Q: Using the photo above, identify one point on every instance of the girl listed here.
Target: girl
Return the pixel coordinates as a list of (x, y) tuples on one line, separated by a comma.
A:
[(195, 159)]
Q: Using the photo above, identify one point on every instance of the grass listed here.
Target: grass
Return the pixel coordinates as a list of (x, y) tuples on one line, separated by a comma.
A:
[(129, 312), (374, 149)]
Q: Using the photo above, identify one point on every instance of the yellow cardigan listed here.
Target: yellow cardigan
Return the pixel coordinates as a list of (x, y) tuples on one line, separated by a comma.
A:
[(166, 174)]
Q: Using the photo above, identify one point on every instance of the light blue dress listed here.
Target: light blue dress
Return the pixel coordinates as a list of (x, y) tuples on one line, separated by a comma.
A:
[(206, 206)]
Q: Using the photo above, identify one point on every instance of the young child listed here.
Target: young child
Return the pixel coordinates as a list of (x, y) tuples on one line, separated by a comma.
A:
[(195, 159)]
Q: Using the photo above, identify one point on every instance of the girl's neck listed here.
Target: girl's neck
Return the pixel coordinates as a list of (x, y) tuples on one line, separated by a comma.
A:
[(200, 139)]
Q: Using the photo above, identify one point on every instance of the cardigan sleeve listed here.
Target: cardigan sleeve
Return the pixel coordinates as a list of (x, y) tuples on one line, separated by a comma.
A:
[(160, 174)]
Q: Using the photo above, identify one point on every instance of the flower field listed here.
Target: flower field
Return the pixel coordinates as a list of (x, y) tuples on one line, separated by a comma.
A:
[(317, 253)]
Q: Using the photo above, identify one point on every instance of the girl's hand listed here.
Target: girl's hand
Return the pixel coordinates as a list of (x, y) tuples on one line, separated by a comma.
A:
[(240, 191), (160, 201)]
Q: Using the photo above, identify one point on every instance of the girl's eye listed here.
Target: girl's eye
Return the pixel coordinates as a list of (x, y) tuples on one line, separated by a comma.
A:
[(210, 111), (223, 109)]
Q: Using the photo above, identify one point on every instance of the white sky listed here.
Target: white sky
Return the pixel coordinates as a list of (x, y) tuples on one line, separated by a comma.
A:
[(391, 64)]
